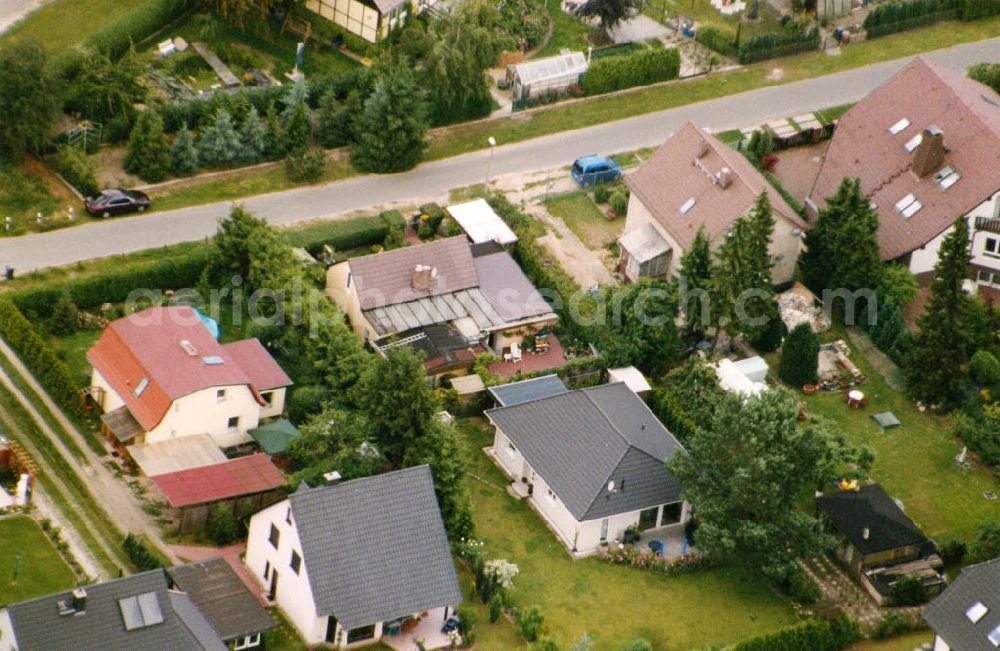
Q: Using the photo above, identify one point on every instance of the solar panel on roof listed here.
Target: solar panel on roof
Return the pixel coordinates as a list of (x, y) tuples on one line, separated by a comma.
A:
[(149, 605), (140, 611), (131, 613)]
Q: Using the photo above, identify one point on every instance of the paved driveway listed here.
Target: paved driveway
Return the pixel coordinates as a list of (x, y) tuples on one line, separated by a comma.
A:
[(112, 237)]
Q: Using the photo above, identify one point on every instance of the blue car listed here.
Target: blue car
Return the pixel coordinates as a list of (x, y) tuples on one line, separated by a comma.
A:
[(594, 169)]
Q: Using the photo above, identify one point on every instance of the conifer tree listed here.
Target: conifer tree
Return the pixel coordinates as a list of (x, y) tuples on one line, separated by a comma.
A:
[(276, 147), (254, 137), (183, 154), (298, 126), (695, 277), (220, 144), (391, 129), (934, 366), (333, 127), (799, 356), (148, 155)]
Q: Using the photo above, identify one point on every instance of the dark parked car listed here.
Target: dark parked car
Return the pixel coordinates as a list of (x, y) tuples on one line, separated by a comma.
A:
[(116, 202), (594, 169)]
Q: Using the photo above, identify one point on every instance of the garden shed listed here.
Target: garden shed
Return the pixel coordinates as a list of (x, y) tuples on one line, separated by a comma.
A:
[(532, 78)]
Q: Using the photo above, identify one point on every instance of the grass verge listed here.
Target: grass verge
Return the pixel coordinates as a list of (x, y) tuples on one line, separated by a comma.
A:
[(63, 24), (585, 219)]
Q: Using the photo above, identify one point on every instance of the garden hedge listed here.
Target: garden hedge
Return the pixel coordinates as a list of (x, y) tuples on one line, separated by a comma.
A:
[(815, 635), (893, 17), (347, 233), (40, 359), (777, 44), (641, 68), (715, 39)]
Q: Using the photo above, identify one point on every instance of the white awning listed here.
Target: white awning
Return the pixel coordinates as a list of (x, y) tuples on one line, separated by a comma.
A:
[(632, 377), (481, 224)]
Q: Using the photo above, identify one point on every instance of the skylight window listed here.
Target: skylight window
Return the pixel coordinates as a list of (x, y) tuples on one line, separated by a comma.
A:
[(686, 206), (140, 611), (994, 636), (909, 205), (139, 388), (912, 209), (913, 142), (947, 177), (976, 612), (212, 360), (899, 126)]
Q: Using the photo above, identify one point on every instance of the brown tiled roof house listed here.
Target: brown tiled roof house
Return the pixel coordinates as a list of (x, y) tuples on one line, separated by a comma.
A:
[(695, 181), (926, 146)]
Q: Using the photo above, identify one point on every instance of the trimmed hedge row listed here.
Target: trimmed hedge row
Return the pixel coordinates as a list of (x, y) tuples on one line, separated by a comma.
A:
[(979, 9), (777, 44), (346, 234), (40, 359), (894, 17), (116, 38), (815, 635), (641, 68), (715, 39), (115, 284)]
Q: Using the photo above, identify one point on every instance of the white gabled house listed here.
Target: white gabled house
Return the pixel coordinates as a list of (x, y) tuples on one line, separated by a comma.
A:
[(160, 374), (351, 562), (592, 464)]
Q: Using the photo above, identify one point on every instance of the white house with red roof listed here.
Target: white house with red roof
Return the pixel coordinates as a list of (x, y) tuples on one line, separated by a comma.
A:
[(926, 146), (694, 181), (160, 375)]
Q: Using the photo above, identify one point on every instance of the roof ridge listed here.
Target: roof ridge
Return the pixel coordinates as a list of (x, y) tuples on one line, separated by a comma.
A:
[(602, 486), (938, 70)]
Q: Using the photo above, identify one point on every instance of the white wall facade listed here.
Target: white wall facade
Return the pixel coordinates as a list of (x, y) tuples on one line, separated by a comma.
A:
[(109, 398), (786, 243), (922, 260), (204, 412), (7, 642), (276, 405), (581, 537), (341, 289), (357, 17)]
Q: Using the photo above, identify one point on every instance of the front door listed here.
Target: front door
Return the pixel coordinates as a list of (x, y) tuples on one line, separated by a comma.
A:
[(272, 594), (331, 629)]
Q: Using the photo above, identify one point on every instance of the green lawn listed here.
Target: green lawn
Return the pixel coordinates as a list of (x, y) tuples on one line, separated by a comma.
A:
[(915, 462), (567, 31), (907, 642), (41, 571), (615, 605), (63, 24), (585, 219), (73, 348)]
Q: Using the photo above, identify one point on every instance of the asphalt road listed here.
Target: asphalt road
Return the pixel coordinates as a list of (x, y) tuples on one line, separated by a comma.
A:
[(103, 239)]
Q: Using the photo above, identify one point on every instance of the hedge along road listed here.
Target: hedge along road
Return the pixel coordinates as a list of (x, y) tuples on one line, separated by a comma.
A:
[(62, 247)]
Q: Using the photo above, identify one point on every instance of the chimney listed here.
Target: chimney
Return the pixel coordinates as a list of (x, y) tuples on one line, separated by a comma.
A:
[(725, 178), (423, 277), (80, 600), (702, 148), (929, 154), (866, 533)]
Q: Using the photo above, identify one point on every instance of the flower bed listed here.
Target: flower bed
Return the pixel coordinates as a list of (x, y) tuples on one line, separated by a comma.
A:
[(647, 560)]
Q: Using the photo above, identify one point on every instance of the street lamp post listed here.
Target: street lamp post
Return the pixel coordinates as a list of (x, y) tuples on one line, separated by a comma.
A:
[(489, 163)]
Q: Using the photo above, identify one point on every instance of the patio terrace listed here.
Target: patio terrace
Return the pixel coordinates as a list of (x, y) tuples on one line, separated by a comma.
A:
[(427, 630), (555, 357)]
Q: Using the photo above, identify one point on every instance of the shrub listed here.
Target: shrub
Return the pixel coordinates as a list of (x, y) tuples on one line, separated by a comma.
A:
[(770, 337), (984, 367), (987, 544), (638, 645), (77, 168), (777, 44), (64, 315), (908, 591), (619, 200), (139, 554), (715, 39), (815, 635), (545, 643), (305, 165), (953, 552), (801, 588), (893, 624), (799, 356), (305, 401), (435, 214), (529, 623), (222, 527), (644, 67), (496, 608), (601, 194), (467, 619)]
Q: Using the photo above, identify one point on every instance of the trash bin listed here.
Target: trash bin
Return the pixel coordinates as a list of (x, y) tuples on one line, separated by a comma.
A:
[(9, 273)]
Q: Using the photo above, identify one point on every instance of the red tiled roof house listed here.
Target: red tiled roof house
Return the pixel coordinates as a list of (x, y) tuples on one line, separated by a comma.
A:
[(694, 181), (160, 375), (926, 146)]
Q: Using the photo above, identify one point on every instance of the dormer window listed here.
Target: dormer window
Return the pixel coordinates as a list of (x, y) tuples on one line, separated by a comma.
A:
[(899, 126), (976, 612)]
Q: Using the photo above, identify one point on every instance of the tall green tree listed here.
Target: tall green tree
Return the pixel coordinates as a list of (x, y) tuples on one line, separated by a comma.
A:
[(220, 144), (640, 329), (441, 449), (253, 134), (694, 284), (276, 145), (297, 119), (799, 356), (232, 240), (746, 473), (391, 128), (148, 155), (398, 400), (610, 13), (183, 153), (842, 247), (106, 89), (29, 98), (333, 122), (934, 368), (334, 439)]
